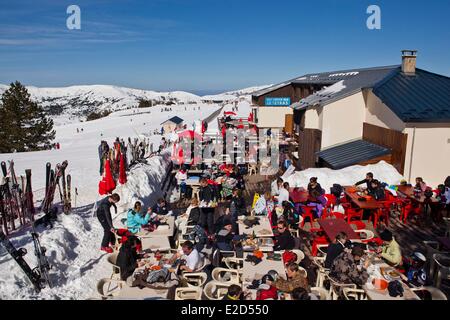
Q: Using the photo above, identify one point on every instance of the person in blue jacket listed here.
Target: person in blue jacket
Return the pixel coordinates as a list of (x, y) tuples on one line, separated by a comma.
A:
[(135, 220)]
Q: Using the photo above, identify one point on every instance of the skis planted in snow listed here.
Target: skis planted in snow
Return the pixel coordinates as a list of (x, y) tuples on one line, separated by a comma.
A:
[(4, 169), (69, 197)]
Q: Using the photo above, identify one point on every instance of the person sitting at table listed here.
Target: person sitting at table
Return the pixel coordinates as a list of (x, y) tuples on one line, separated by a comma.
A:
[(377, 191), (261, 205), (367, 181), (190, 255), (135, 220), (335, 249), (344, 268), (284, 240), (234, 293), (127, 259), (296, 279), (289, 214), (266, 289), (420, 184), (207, 195), (302, 294), (161, 208), (226, 239), (317, 200), (191, 217), (283, 193), (276, 186), (236, 207), (313, 185), (390, 251), (181, 177)]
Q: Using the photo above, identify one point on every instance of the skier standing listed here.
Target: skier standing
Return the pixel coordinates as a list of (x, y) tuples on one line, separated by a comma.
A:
[(104, 217)]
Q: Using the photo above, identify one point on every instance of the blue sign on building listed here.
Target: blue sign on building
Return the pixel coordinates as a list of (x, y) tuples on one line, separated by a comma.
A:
[(277, 102)]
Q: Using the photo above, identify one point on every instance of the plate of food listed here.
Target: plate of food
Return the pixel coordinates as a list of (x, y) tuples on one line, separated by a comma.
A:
[(390, 274)]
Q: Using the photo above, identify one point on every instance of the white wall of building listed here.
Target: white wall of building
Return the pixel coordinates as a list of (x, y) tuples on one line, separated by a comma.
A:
[(313, 118), (342, 120), (431, 153), (273, 117), (378, 114)]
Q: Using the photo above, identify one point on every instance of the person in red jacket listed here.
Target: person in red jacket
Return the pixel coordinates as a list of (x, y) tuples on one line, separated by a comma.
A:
[(265, 290)]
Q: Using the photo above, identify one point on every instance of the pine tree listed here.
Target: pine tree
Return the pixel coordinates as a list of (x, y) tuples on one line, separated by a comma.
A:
[(23, 123)]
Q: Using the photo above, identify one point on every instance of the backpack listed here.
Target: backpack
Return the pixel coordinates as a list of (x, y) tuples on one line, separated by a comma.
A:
[(336, 190), (395, 289), (289, 256)]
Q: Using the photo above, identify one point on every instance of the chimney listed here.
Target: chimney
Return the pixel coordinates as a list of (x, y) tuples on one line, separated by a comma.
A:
[(409, 62)]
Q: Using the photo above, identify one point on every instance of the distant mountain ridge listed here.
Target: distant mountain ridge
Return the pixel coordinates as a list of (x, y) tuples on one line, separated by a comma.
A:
[(76, 102)]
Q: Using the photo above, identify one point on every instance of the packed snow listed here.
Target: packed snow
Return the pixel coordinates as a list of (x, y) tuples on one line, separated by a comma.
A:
[(73, 244), (382, 171)]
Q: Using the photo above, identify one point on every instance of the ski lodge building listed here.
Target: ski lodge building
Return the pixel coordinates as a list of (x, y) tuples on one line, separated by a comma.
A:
[(399, 114), (172, 124)]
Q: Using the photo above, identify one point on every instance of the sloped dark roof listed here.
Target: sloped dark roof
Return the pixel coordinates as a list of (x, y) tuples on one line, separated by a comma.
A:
[(423, 97), (351, 153), (323, 78), (176, 120), (347, 86)]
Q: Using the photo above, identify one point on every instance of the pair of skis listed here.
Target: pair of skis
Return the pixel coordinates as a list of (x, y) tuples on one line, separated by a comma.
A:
[(16, 199), (38, 276), (52, 182)]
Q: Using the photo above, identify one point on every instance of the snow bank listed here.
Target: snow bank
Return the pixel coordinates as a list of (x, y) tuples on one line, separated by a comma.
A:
[(348, 176)]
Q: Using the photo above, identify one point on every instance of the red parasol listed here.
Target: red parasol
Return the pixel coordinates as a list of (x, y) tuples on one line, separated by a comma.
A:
[(122, 173), (107, 185), (190, 134)]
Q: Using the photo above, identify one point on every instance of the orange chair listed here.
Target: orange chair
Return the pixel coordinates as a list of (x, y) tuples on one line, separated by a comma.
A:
[(337, 215), (381, 213), (408, 208), (308, 213), (353, 213)]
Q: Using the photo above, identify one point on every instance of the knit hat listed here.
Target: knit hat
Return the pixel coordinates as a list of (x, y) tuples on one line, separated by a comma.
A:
[(386, 235)]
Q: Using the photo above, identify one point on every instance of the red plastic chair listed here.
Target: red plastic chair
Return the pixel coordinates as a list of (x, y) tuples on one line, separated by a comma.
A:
[(381, 213), (318, 239), (331, 203), (308, 213), (337, 215), (359, 224), (353, 213), (407, 209)]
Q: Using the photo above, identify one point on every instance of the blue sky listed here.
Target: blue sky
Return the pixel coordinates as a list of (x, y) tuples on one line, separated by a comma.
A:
[(212, 45)]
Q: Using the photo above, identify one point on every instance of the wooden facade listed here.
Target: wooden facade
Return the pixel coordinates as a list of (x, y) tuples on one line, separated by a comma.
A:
[(394, 140), (294, 91), (289, 123), (309, 141)]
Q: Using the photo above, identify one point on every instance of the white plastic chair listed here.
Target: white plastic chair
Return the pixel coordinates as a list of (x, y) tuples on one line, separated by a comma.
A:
[(300, 255), (365, 234), (195, 279), (436, 294), (108, 294), (354, 294), (190, 293), (321, 293), (336, 287), (234, 263), (226, 275), (214, 290), (112, 260)]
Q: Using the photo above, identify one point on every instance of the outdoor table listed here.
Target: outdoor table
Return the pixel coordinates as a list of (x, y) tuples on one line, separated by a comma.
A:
[(194, 172), (251, 272), (374, 294), (445, 242), (371, 204), (156, 243), (193, 181), (146, 293), (408, 191), (161, 231), (332, 227), (298, 196), (263, 229)]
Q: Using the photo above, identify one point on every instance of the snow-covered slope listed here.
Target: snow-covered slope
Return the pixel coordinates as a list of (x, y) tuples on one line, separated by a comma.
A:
[(73, 104)]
